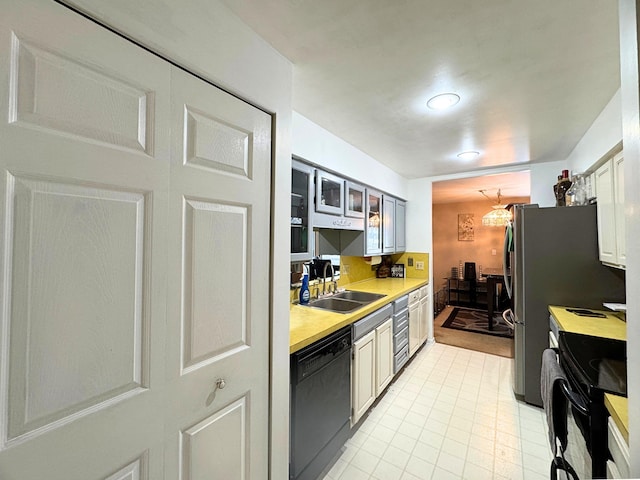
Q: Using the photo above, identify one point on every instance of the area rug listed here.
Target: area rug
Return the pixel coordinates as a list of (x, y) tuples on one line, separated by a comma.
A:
[(472, 320)]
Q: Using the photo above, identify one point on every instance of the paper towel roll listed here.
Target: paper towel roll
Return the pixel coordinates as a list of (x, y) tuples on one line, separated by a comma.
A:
[(375, 260)]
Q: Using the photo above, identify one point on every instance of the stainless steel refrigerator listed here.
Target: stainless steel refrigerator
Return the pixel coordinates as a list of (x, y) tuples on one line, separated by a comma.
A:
[(553, 258)]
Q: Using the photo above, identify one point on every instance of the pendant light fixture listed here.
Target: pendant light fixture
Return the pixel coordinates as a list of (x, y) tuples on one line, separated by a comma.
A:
[(499, 216)]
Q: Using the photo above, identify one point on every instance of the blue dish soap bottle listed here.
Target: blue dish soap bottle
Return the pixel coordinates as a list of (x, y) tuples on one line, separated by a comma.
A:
[(304, 290)]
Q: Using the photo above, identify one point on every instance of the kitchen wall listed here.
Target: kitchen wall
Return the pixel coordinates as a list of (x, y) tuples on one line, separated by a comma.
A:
[(207, 38), (602, 136), (355, 269), (317, 145), (543, 176), (448, 250)]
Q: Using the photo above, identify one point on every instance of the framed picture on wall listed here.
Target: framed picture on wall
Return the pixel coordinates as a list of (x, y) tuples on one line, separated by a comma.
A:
[(465, 227)]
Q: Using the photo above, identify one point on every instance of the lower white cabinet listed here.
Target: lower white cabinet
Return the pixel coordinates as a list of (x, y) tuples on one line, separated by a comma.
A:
[(420, 327), (371, 368), (384, 355), (414, 322), (425, 324), (363, 375)]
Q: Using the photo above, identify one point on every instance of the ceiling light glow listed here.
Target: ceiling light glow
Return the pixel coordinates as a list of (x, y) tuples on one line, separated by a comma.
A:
[(443, 101), (470, 155)]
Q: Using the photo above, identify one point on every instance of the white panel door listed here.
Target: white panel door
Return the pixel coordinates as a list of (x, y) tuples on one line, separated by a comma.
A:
[(218, 303), (84, 129), (135, 257), (363, 375), (384, 355)]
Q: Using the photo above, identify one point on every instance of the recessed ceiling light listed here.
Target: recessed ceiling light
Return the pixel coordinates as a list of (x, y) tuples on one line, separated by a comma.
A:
[(443, 101), (470, 155)]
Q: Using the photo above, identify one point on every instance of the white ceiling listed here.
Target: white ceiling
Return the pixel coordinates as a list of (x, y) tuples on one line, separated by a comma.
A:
[(515, 184), (532, 75)]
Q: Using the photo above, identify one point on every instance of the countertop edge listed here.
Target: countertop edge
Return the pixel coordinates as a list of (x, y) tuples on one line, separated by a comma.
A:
[(610, 327), (342, 320), (619, 410)]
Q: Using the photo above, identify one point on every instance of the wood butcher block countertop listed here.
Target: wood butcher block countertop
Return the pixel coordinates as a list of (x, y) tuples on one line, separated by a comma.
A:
[(307, 325), (609, 327)]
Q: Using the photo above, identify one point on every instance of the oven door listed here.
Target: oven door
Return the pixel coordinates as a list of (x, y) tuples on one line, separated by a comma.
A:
[(578, 451)]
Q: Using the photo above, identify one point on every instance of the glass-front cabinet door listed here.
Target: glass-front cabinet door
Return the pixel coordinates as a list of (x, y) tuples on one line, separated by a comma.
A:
[(301, 199), (354, 200), (389, 224), (373, 222), (329, 193)]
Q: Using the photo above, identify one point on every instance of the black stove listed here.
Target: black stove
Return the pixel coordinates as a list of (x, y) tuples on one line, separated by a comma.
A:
[(599, 363), (593, 366)]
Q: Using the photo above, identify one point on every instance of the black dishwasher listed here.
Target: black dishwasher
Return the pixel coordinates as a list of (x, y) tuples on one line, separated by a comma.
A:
[(320, 404)]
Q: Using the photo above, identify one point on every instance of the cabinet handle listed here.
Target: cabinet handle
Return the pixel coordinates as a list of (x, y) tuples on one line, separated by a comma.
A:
[(220, 384)]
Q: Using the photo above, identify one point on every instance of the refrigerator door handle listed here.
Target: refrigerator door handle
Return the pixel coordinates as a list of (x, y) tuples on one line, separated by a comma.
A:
[(505, 257), (509, 318)]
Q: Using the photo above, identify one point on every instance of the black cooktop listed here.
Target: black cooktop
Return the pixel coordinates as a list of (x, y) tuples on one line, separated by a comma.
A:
[(600, 362)]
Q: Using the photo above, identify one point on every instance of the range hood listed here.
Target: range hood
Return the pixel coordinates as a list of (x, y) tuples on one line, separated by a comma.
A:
[(337, 222)]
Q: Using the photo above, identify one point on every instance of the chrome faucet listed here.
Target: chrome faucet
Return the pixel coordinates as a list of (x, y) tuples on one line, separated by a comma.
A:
[(324, 277)]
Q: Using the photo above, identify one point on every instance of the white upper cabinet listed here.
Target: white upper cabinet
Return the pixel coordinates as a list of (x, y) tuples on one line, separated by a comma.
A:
[(618, 189), (609, 179)]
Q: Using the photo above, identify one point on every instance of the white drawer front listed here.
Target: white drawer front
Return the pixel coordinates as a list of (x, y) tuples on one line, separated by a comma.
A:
[(414, 296)]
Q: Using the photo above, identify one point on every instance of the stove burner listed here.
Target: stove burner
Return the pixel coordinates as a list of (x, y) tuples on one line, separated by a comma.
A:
[(601, 362)]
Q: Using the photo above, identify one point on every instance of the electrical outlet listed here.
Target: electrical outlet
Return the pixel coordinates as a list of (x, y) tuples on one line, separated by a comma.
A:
[(419, 265), (345, 269), (493, 252), (410, 261)]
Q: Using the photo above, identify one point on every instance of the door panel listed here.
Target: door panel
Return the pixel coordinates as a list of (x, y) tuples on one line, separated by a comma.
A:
[(134, 471), (218, 304), (51, 91), (215, 317), (78, 267), (83, 191), (217, 445), (215, 145)]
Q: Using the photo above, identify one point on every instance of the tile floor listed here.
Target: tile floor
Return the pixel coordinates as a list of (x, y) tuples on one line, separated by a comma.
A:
[(450, 415)]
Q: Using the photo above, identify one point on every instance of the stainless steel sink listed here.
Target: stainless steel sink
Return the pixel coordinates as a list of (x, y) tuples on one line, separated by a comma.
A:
[(358, 296), (345, 302), (336, 304)]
